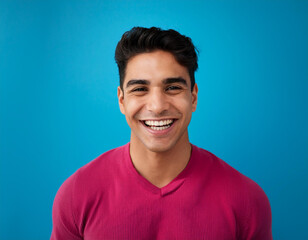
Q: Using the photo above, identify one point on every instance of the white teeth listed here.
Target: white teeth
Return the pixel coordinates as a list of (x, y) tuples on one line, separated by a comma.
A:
[(160, 128), (159, 123)]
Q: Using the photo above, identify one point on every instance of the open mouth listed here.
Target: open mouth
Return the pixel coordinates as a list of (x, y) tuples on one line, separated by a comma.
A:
[(159, 125)]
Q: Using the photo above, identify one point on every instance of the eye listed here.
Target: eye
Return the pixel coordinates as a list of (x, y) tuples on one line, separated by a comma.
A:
[(173, 88), (139, 89)]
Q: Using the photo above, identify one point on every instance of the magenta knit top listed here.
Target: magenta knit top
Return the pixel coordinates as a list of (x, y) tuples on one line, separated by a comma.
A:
[(109, 199)]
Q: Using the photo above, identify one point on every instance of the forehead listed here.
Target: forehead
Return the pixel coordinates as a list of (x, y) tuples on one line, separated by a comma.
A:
[(155, 66)]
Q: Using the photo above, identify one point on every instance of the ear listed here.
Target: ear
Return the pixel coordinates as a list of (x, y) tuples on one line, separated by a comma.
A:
[(194, 98), (121, 100)]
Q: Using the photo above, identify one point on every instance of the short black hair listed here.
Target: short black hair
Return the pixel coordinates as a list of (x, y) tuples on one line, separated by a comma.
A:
[(140, 40)]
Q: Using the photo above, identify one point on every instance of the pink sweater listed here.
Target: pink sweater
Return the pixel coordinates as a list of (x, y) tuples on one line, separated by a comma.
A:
[(108, 199)]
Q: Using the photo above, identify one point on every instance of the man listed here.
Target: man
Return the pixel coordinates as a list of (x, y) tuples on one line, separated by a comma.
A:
[(159, 186)]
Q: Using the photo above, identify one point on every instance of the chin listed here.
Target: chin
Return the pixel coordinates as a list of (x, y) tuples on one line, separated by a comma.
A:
[(158, 147)]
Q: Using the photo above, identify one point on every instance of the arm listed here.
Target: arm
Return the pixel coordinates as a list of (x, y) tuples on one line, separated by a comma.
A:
[(256, 220), (64, 225)]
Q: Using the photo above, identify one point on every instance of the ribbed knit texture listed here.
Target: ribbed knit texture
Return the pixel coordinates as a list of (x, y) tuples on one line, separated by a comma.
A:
[(108, 199)]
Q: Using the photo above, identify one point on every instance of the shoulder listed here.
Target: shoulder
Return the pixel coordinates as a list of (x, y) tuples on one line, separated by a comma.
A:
[(228, 183), (83, 187), (104, 163), (101, 169), (113, 156), (223, 173), (238, 192), (93, 176)]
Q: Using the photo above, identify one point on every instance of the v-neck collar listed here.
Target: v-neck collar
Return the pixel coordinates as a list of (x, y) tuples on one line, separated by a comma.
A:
[(174, 185)]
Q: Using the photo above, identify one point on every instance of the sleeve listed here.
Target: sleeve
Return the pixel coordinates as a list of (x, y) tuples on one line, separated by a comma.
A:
[(256, 221), (64, 225)]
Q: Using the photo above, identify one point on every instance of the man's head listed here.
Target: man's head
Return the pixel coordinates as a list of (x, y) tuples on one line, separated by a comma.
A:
[(144, 40), (157, 79)]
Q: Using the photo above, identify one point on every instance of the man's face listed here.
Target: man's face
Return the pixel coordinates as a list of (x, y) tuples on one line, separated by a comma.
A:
[(157, 100)]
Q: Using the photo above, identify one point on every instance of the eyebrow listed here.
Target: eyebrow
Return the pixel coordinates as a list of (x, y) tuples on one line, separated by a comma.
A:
[(175, 80), (165, 81), (137, 82)]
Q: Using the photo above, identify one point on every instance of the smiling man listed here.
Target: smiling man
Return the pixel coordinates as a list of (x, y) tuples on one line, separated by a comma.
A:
[(159, 186)]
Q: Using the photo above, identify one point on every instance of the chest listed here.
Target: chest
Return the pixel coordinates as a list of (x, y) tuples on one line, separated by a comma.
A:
[(155, 217)]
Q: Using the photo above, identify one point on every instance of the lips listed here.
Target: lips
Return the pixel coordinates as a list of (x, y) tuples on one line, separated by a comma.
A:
[(158, 125)]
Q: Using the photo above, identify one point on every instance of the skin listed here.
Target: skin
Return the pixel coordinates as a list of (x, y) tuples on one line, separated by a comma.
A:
[(157, 87)]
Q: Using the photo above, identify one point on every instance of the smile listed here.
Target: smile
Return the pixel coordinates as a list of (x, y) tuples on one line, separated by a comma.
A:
[(159, 125)]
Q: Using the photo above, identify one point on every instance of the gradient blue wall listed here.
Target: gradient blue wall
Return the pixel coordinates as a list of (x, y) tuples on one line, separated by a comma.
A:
[(58, 104)]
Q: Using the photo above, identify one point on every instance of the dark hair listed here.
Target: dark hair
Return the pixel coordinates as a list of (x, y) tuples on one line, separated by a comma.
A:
[(140, 40)]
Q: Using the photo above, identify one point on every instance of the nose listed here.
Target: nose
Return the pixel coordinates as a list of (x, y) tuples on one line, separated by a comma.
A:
[(157, 102)]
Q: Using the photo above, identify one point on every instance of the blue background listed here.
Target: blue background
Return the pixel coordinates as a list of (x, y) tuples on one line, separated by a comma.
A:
[(59, 110)]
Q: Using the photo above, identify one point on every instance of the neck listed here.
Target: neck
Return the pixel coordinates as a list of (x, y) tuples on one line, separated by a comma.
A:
[(160, 168)]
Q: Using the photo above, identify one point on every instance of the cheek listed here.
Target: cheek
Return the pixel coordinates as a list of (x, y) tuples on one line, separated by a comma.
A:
[(183, 104), (132, 107)]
